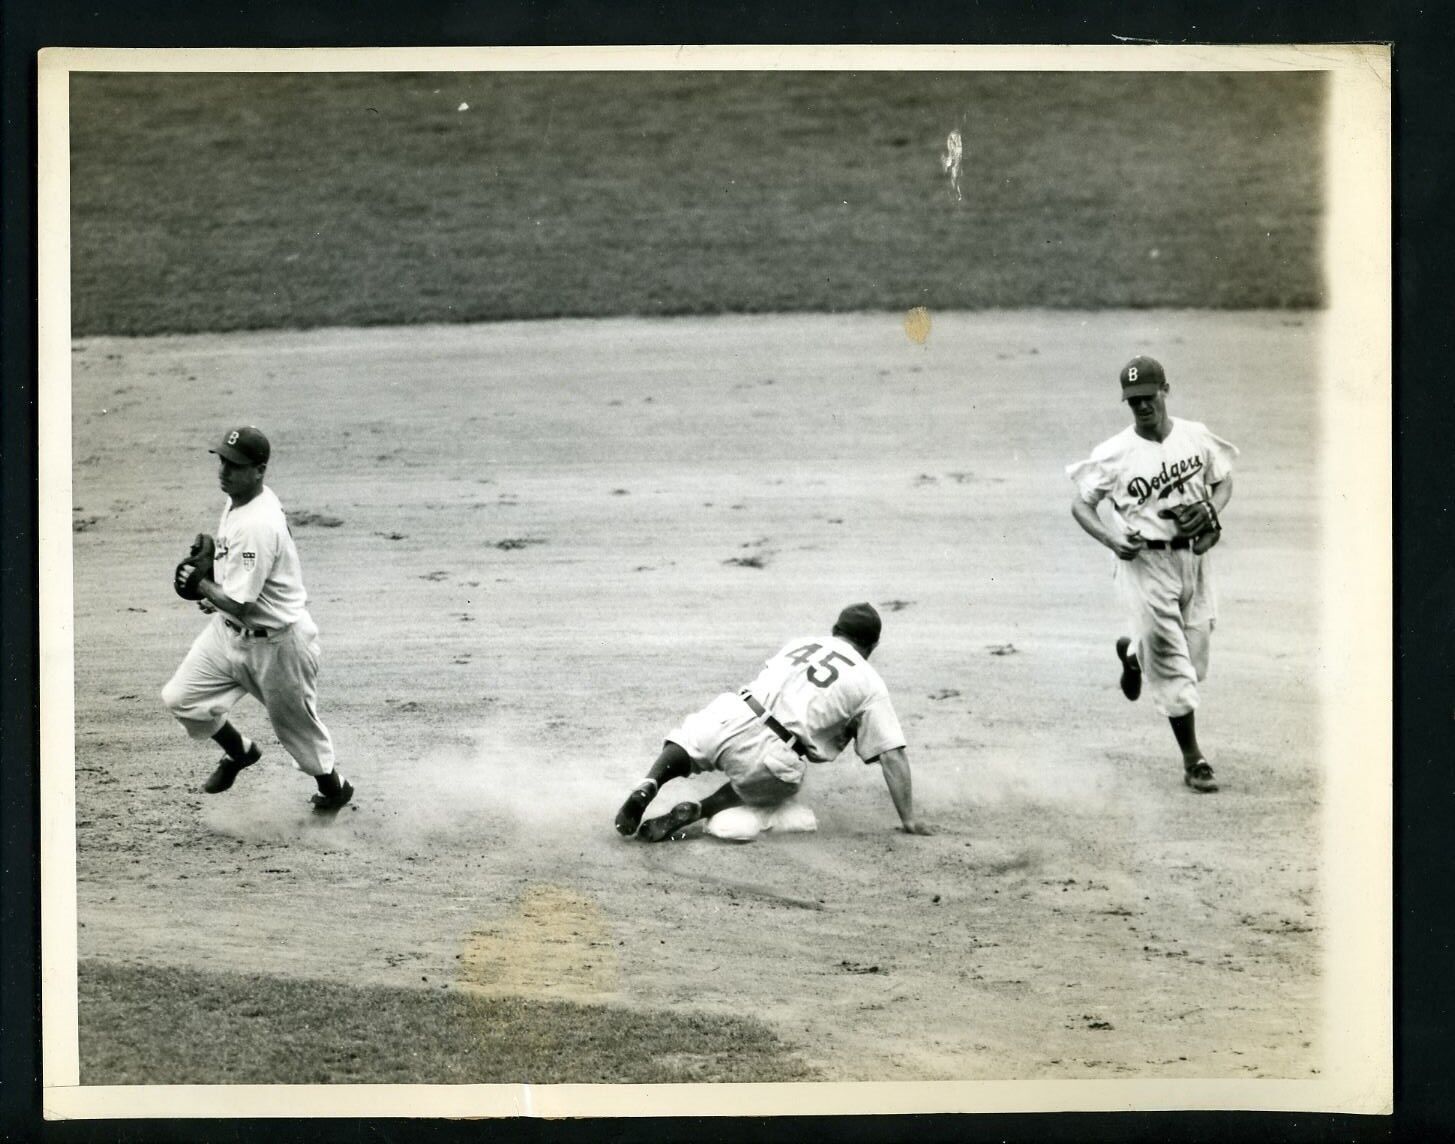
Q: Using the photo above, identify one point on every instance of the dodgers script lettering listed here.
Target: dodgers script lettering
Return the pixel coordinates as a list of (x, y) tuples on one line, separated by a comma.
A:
[(1166, 479)]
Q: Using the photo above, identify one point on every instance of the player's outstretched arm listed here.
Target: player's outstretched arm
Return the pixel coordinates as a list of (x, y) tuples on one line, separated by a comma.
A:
[(1126, 545), (895, 765)]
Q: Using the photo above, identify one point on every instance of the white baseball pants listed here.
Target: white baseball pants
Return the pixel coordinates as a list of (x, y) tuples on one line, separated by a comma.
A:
[(280, 671), (726, 736), (1171, 607)]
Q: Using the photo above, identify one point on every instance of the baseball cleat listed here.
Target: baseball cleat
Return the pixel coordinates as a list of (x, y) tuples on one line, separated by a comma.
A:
[(1199, 776), (1131, 670), (671, 824), (228, 769), (333, 803), (629, 817)]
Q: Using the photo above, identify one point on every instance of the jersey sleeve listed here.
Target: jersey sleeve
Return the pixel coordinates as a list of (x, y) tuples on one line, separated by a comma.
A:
[(1093, 478), (877, 728), (250, 558), (1220, 456)]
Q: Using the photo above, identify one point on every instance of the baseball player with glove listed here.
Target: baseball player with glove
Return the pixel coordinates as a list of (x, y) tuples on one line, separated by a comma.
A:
[(806, 705), (261, 641), (1167, 481)]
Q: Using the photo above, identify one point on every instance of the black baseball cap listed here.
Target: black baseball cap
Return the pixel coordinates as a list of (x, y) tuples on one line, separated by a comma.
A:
[(1142, 377), (243, 446), (860, 622)]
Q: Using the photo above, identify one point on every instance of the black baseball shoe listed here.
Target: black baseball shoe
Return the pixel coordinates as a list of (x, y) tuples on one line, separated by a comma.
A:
[(671, 824), (228, 769), (333, 803), (1199, 776), (1131, 670), (629, 817)]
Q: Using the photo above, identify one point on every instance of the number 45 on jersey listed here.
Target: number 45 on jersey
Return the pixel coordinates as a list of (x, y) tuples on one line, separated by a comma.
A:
[(823, 672)]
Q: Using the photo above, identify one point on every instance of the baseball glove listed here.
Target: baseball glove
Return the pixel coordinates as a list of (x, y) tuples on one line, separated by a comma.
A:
[(1197, 520), (194, 568)]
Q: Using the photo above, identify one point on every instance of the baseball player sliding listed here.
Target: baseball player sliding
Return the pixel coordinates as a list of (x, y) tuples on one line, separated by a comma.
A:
[(261, 641), (1167, 482), (805, 706)]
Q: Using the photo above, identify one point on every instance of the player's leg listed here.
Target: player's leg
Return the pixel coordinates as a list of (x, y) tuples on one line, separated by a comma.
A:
[(204, 688), (1199, 648), (285, 669), (1175, 693), (199, 696), (1184, 729), (234, 742), (1151, 589), (698, 743), (1197, 772), (239, 753), (684, 814), (1170, 674), (672, 763), (724, 798), (762, 775), (1199, 615)]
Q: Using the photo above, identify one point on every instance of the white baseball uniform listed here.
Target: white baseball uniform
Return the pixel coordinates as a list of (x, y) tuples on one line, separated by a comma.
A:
[(1168, 593), (275, 657), (820, 692)]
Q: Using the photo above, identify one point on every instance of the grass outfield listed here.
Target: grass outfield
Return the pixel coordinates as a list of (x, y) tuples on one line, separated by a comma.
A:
[(174, 1026), (220, 202)]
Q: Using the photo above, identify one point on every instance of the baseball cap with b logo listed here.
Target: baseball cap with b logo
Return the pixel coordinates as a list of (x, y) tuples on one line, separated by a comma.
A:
[(1142, 377), (243, 446)]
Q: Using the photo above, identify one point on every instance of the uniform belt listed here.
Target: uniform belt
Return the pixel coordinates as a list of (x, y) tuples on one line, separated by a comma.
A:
[(256, 633), (773, 725), (1175, 542)]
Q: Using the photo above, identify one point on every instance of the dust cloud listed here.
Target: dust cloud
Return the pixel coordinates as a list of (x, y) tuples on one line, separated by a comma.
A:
[(990, 778)]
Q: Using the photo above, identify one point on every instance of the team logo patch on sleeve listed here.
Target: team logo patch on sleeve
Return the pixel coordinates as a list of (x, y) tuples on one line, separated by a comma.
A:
[(249, 561)]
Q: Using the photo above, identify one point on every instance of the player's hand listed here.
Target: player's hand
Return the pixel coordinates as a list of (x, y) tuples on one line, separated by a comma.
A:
[(915, 826), (206, 606), (1128, 546)]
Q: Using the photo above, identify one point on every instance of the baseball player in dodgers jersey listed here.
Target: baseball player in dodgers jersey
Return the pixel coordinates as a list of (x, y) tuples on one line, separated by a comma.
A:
[(807, 704), (261, 641), (1156, 464)]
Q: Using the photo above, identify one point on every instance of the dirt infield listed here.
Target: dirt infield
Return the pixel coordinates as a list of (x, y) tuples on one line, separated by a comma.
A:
[(532, 547)]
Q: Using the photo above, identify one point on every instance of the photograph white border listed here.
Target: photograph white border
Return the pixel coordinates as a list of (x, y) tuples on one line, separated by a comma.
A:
[(1356, 627)]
